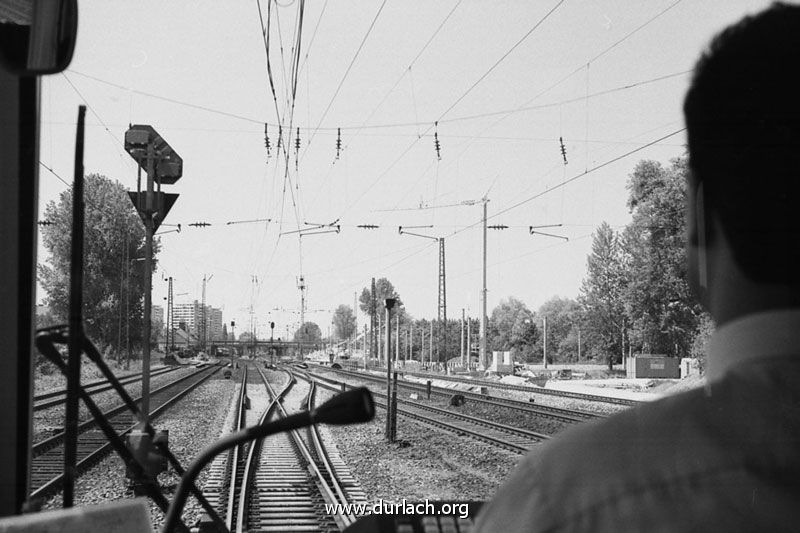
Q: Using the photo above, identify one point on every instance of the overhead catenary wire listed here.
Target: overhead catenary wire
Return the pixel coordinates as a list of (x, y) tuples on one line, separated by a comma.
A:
[(344, 77)]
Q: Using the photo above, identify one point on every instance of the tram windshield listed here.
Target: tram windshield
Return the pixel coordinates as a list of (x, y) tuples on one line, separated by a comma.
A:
[(477, 211)]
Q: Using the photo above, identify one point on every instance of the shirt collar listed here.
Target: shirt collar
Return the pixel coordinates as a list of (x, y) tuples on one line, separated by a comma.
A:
[(751, 337)]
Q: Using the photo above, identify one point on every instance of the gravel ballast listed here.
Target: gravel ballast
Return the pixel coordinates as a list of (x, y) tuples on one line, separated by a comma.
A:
[(193, 424), (424, 463)]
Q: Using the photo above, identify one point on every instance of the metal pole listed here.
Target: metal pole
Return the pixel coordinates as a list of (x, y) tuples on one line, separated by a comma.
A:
[(579, 342), (482, 345), (408, 346), (148, 281), (378, 336), (389, 305), (430, 347), (411, 336), (397, 338), (544, 341), (469, 341), (463, 361), (421, 346), (75, 321), (393, 421)]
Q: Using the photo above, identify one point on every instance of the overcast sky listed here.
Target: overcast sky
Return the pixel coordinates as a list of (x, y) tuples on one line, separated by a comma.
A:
[(504, 79)]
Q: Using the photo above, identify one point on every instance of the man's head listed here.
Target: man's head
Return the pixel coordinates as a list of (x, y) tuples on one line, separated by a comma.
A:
[(743, 120)]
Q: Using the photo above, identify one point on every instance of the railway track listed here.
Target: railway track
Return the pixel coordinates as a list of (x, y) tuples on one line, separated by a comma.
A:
[(48, 454), (281, 483), (558, 413), (511, 438), (525, 388), (58, 397)]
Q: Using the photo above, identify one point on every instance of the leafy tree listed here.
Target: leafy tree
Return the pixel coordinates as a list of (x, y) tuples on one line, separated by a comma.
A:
[(512, 326), (114, 239), (662, 312), (308, 332), (602, 295), (383, 289), (344, 322), (563, 320), (156, 331), (705, 329)]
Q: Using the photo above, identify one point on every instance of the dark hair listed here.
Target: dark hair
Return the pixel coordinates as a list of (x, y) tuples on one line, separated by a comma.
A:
[(743, 120)]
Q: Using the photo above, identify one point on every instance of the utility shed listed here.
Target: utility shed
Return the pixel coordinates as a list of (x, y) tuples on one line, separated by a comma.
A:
[(652, 366)]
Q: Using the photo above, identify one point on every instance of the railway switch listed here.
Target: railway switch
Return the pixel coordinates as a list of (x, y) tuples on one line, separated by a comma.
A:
[(144, 449)]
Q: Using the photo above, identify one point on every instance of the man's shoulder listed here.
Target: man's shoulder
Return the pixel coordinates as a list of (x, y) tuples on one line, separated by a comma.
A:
[(635, 443), (593, 464)]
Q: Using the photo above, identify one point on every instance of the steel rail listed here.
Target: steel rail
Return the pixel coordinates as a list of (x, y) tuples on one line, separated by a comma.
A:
[(328, 495), (533, 390), (233, 463), (406, 408), (324, 457), (253, 455), (90, 458), (523, 388), (558, 413), (44, 401), (43, 445)]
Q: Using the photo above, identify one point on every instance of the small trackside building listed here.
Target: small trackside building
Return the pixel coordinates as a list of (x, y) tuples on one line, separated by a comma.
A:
[(652, 366)]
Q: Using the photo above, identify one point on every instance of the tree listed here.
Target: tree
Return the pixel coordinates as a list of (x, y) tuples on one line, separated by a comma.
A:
[(512, 326), (113, 282), (308, 332), (563, 320), (383, 289), (344, 322), (602, 295), (662, 312), (156, 331)]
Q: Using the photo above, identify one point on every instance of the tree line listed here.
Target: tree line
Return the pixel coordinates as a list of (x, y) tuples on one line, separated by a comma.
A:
[(633, 299)]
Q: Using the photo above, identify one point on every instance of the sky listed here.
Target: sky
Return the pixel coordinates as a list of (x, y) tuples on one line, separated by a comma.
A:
[(498, 83)]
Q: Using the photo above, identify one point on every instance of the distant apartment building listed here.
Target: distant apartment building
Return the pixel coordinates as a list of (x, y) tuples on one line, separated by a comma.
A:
[(191, 314), (157, 314)]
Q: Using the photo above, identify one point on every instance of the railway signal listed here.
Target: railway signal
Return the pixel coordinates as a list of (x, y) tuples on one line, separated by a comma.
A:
[(163, 166)]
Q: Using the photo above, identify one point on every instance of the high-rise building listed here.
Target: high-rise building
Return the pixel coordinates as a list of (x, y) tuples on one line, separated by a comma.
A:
[(191, 314)]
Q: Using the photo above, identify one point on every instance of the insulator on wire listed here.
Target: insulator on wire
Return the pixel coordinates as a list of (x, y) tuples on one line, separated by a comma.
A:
[(280, 136), (436, 141), (267, 144), (338, 142), (563, 149), (297, 149)]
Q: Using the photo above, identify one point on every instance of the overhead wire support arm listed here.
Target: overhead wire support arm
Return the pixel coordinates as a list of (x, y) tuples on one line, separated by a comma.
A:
[(402, 232), (533, 231), (335, 229), (248, 221)]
